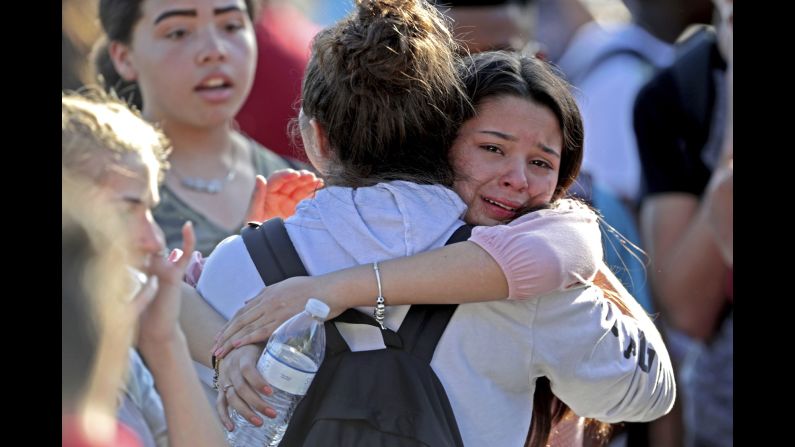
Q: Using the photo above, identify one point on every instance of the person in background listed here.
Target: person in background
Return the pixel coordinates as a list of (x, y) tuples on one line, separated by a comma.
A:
[(93, 280), (113, 161), (283, 37), (609, 64), (192, 63), (683, 121), (490, 25)]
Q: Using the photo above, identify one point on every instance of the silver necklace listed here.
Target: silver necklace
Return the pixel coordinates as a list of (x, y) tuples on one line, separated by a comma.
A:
[(206, 186)]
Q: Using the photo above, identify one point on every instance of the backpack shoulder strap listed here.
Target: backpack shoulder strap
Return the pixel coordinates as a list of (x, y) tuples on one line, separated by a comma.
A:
[(272, 251), (422, 327), (353, 316), (276, 259), (424, 324), (460, 235)]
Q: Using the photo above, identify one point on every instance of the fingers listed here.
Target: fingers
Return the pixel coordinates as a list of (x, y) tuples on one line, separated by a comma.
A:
[(257, 336), (307, 190), (223, 349), (284, 181), (188, 244), (246, 336), (314, 182), (280, 174), (172, 269), (253, 388), (303, 179), (239, 314), (239, 322), (285, 188), (218, 340), (247, 318), (278, 180), (319, 182), (219, 337), (145, 295), (232, 327), (225, 345), (244, 395), (231, 382), (239, 405), (256, 208), (221, 409), (174, 255), (260, 184)]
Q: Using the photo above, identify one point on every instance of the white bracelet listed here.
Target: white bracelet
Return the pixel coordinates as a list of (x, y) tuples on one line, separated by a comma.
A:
[(380, 308)]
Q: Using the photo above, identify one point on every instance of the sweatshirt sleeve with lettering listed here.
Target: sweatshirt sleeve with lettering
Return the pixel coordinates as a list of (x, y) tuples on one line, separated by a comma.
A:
[(600, 362)]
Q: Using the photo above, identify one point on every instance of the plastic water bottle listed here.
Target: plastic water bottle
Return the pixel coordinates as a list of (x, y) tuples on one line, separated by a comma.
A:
[(288, 363)]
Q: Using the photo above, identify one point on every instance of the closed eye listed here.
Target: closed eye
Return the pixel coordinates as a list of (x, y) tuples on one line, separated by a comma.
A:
[(132, 204)]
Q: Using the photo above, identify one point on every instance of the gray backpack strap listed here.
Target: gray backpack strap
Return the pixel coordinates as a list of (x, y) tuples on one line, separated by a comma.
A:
[(272, 251), (276, 259)]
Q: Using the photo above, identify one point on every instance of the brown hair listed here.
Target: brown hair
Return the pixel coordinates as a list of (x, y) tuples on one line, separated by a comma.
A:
[(500, 73), (384, 86)]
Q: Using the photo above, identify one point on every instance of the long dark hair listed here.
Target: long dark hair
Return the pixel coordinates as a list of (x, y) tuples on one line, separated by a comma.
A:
[(500, 73)]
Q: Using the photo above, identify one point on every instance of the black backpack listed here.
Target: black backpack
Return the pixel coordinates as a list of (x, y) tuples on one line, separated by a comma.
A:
[(384, 398)]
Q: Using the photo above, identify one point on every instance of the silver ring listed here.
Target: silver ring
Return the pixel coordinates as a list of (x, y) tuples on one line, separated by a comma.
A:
[(227, 386)]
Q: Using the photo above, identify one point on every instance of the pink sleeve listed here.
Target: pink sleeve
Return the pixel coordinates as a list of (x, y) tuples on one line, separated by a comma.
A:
[(544, 251)]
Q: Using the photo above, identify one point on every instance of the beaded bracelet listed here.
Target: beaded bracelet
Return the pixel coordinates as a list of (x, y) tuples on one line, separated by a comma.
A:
[(380, 308)]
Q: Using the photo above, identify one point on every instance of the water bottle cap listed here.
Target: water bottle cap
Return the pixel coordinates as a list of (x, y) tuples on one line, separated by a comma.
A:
[(317, 308)]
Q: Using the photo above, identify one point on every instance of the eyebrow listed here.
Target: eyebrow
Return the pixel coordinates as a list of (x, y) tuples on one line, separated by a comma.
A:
[(192, 12), (508, 137), (549, 150), (504, 136), (175, 12)]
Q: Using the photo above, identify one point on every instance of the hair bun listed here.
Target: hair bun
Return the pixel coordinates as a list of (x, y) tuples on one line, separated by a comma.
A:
[(387, 44), (383, 83)]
